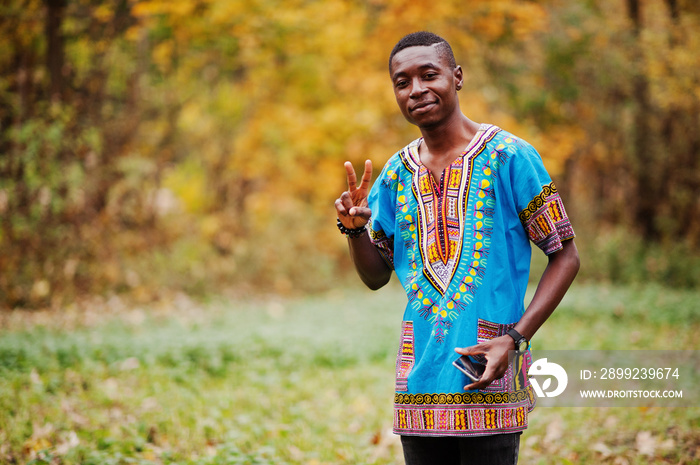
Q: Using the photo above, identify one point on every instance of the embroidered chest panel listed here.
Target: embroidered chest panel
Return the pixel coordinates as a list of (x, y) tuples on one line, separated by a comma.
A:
[(461, 201), (447, 227)]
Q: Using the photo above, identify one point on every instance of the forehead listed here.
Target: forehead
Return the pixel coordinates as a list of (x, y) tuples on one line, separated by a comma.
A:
[(417, 57)]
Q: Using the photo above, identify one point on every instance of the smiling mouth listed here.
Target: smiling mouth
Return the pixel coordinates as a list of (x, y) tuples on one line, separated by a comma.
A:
[(421, 106)]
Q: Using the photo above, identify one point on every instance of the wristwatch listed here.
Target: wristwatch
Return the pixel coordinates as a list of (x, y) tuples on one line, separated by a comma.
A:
[(521, 342)]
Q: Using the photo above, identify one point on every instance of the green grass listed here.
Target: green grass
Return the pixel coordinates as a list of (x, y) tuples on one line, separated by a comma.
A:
[(307, 381)]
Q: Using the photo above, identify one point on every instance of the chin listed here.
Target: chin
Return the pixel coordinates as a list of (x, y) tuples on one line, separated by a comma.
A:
[(428, 123)]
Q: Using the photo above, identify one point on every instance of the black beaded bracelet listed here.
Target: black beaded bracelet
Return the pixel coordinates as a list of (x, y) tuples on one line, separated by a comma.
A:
[(352, 233)]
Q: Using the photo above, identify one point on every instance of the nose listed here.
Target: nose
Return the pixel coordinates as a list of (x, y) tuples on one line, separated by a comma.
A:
[(417, 88)]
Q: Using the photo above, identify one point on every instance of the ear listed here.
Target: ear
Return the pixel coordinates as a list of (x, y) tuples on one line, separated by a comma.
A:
[(458, 77)]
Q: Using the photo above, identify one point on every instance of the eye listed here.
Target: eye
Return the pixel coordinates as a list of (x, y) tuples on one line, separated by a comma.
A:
[(401, 84), (430, 75)]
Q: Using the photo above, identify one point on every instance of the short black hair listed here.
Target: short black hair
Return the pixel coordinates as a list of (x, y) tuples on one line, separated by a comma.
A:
[(426, 39)]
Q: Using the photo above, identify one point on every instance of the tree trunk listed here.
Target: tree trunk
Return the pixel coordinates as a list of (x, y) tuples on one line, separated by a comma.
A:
[(645, 198), (54, 47)]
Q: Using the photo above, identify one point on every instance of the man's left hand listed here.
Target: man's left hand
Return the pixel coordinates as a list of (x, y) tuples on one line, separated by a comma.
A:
[(496, 353)]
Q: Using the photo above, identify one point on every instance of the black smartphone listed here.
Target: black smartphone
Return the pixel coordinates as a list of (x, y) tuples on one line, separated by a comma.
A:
[(470, 367)]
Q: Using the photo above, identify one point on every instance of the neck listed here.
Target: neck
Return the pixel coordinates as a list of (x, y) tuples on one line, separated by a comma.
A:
[(442, 141)]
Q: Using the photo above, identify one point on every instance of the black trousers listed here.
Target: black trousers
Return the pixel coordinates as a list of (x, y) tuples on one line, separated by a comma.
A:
[(497, 449)]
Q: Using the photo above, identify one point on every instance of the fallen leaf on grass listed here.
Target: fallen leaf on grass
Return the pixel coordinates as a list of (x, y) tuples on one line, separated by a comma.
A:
[(35, 378), (39, 440), (610, 422), (602, 448), (69, 443), (33, 445), (150, 455), (532, 442), (646, 443), (295, 453), (131, 363), (667, 444), (554, 432), (384, 440), (76, 418), (149, 404)]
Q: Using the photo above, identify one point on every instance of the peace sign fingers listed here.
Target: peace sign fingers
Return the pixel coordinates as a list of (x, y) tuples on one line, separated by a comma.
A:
[(352, 204), (352, 177)]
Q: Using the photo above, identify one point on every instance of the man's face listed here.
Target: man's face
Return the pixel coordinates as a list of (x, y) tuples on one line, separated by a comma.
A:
[(425, 85)]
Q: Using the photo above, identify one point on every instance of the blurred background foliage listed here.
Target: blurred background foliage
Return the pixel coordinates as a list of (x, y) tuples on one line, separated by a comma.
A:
[(150, 146)]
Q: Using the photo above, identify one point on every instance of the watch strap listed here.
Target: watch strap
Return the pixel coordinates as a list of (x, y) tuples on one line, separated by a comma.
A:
[(518, 339)]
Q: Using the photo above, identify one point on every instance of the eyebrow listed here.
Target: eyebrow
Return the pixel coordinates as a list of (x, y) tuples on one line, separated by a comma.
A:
[(428, 65)]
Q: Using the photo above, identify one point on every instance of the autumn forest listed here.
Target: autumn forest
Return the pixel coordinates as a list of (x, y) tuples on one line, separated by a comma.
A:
[(149, 146)]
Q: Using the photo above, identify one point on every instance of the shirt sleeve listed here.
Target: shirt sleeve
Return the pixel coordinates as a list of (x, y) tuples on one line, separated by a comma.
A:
[(382, 202), (540, 208)]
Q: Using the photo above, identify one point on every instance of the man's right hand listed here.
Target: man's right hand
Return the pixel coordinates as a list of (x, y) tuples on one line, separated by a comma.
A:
[(352, 205), (354, 213)]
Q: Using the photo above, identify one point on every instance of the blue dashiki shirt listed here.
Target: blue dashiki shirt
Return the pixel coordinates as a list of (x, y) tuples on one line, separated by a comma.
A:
[(461, 250)]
